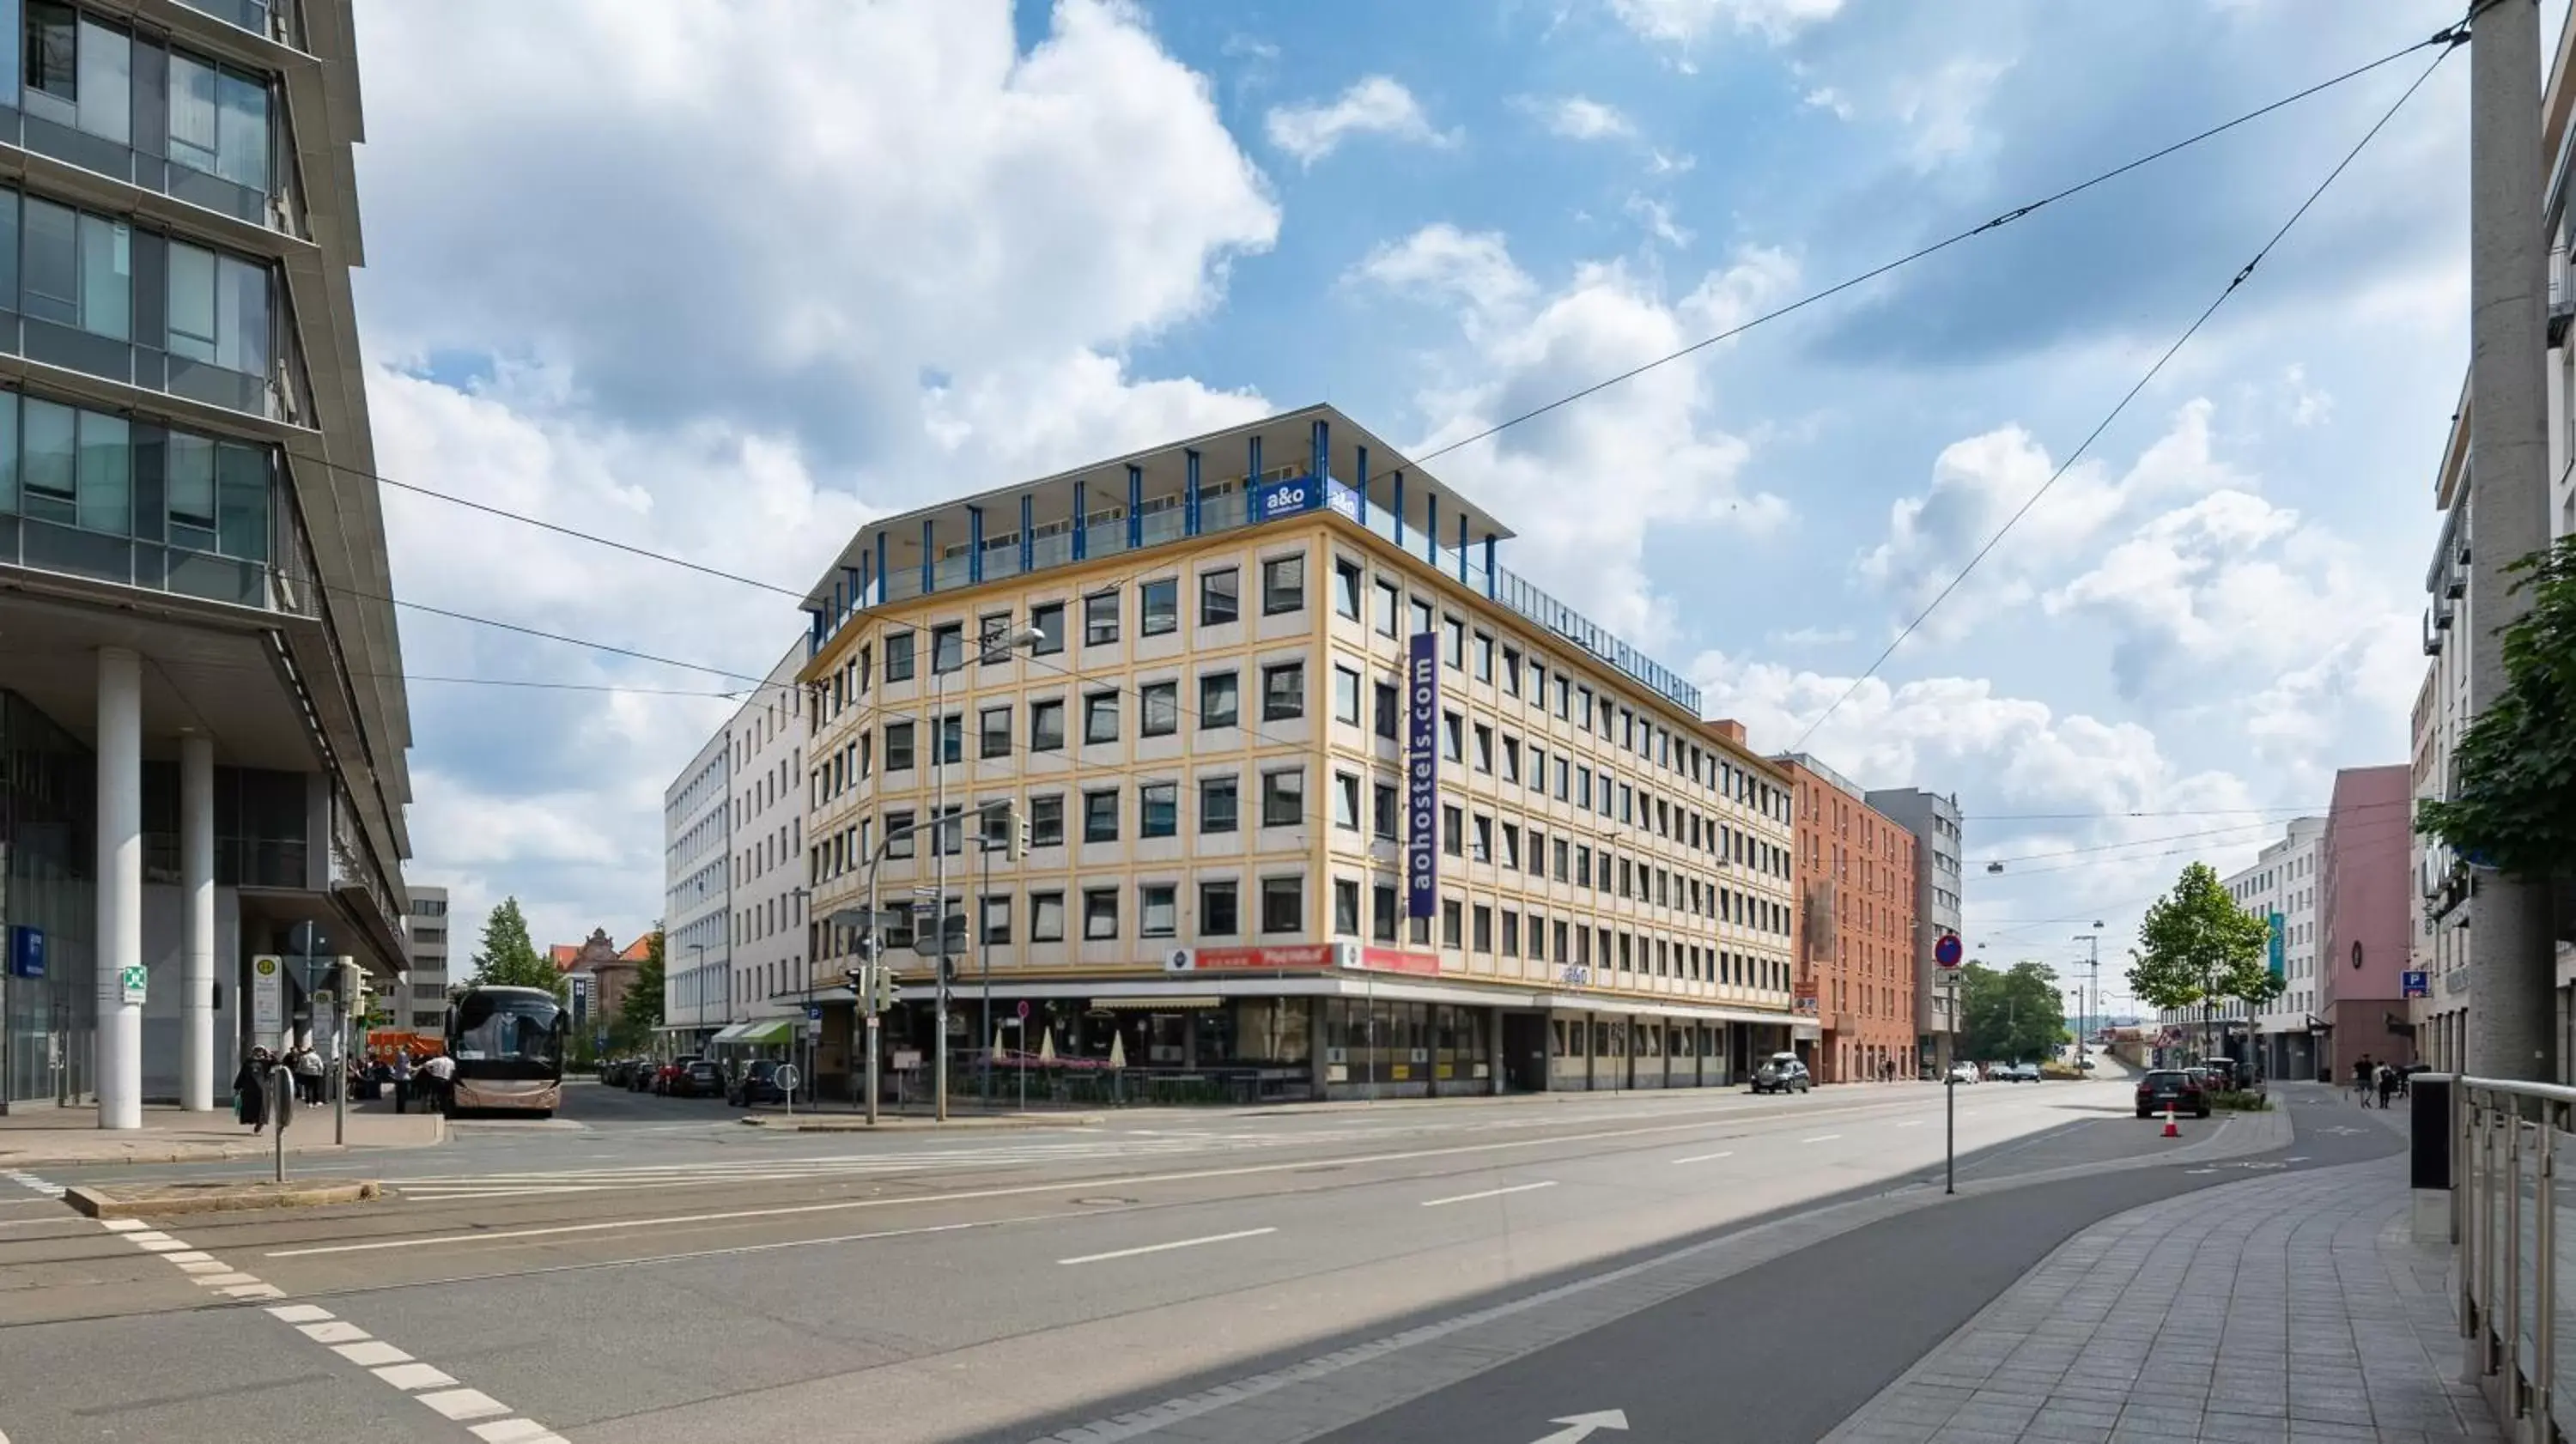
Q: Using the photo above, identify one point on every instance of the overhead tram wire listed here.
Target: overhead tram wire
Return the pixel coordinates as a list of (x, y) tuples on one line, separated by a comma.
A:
[(2449, 40), (1993, 223)]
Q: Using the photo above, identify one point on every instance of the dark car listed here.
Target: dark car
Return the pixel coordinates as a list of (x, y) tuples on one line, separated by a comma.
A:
[(615, 1072), (1782, 1073), (639, 1079), (2172, 1088), (758, 1084), (667, 1079), (698, 1078)]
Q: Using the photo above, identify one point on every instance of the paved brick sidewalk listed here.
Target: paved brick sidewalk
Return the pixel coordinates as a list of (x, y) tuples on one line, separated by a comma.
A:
[(2292, 1307)]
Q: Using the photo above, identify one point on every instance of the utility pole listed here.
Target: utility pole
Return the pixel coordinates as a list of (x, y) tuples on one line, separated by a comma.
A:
[(2511, 954)]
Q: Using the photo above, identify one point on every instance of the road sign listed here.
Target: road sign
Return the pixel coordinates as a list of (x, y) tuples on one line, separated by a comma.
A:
[(814, 1012), (1024, 1007), (1946, 952), (134, 980), (2415, 985), (785, 1077)]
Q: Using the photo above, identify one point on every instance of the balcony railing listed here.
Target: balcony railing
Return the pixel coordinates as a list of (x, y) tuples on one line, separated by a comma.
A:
[(1233, 512), (2516, 1264)]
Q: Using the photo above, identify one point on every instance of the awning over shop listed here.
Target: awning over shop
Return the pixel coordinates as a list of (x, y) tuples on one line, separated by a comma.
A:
[(765, 1033), (1157, 1005), (1148, 993)]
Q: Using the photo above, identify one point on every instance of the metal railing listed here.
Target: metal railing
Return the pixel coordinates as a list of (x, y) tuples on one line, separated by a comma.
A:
[(2506, 1138)]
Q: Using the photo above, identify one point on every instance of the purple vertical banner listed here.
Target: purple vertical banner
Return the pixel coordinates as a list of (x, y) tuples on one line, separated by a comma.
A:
[(1422, 775)]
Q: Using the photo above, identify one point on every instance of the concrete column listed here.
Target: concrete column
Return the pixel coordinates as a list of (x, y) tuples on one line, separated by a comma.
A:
[(119, 1055), (197, 1062)]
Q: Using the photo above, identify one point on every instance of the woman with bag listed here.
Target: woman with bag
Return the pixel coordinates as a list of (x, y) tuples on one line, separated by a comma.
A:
[(250, 1090)]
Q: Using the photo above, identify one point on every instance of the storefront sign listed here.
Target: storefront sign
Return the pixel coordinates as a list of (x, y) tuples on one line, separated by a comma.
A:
[(2279, 928), (1220, 960), (1287, 498), (26, 951), (1422, 776), (1342, 499), (267, 1000), (1396, 960)]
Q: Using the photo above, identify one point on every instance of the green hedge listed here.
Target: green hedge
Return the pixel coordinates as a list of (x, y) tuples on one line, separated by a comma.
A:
[(2243, 1100)]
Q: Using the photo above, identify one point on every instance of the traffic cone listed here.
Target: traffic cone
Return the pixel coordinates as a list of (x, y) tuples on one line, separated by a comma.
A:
[(2170, 1130)]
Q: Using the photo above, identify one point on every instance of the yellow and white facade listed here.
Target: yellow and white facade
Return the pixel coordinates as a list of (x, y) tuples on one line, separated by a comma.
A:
[(1211, 741)]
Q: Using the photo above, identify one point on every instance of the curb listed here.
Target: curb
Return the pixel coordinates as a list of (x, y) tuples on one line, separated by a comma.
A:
[(150, 1153), (98, 1203), (833, 1123)]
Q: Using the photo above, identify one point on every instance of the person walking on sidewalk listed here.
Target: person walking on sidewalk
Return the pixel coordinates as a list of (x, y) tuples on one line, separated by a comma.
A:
[(402, 1079), (308, 1076), (250, 1091), (2388, 1080), (2361, 1080)]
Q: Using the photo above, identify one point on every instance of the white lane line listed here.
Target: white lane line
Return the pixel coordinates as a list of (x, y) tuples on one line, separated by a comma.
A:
[(1166, 1247), (371, 1353), (1911, 1123), (463, 1403), (1821, 1138), (414, 1376), (1488, 1193), (1705, 1157)]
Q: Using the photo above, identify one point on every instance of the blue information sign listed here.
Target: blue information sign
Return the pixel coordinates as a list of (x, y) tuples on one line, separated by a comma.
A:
[(1422, 776), (2280, 930), (26, 951), (814, 1012), (1286, 498), (2415, 985)]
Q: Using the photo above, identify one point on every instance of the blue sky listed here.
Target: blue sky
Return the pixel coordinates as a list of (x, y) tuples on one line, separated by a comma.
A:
[(746, 275)]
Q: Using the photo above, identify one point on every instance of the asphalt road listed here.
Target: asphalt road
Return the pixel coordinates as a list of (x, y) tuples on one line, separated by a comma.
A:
[(647, 1269)]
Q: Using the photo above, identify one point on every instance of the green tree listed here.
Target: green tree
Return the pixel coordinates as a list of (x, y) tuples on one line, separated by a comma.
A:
[(2512, 804), (2198, 949), (508, 959), (639, 1013), (2010, 1016)]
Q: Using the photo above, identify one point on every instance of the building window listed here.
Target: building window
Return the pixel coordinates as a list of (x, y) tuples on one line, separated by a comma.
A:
[(1283, 585), (1453, 737), (1511, 933), (1382, 912), (1484, 652), (992, 631), (1220, 597), (1481, 919), (1100, 619), (219, 121), (997, 919), (952, 740), (1048, 620), (1390, 708), (1217, 910), (1346, 802), (1100, 815), (898, 747), (1383, 811), (1219, 804), (1159, 607), (1346, 588), (898, 656), (1046, 726), (948, 646), (1220, 702), (1283, 904), (1161, 802), (218, 311), (1389, 601), (1452, 922), (1099, 914), (1046, 820), (1453, 640), (1346, 908), (1453, 831), (1283, 798), (1157, 910), (1422, 618), (1483, 851), (1283, 692), (993, 732), (1160, 706), (898, 834), (1484, 748), (1100, 717), (1511, 671), (1511, 758), (1346, 696)]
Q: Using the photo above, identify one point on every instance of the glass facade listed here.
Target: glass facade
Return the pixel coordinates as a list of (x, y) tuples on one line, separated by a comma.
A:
[(48, 787)]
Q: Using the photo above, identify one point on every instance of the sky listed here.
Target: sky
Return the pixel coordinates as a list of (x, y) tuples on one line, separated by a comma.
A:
[(725, 281)]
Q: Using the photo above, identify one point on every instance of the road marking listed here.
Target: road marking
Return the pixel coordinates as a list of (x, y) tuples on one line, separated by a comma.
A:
[(1166, 1247), (1705, 1157), (463, 1403), (1488, 1193), (1579, 1427), (1911, 1123), (408, 1377), (1821, 1138)]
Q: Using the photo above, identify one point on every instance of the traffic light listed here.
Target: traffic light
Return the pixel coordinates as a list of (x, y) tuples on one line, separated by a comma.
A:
[(1019, 834), (887, 983)]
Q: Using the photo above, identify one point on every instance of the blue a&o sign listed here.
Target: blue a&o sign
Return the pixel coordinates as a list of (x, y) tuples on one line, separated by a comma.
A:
[(1286, 498), (1422, 776), (26, 951)]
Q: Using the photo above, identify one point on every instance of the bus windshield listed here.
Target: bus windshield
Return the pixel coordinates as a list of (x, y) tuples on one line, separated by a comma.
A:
[(507, 1034)]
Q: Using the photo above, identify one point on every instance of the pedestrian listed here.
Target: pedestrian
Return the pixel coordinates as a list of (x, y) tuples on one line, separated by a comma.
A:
[(2388, 1080), (250, 1090), (438, 1073), (2361, 1070), (308, 1076), (402, 1079)]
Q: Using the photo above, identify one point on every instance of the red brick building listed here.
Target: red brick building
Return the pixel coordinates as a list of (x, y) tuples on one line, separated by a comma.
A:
[(1853, 935)]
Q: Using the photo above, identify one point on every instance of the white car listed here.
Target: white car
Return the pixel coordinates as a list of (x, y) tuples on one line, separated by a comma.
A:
[(1964, 1073)]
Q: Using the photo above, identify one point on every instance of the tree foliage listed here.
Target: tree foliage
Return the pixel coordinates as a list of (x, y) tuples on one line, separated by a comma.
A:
[(639, 1013), (2010, 1016), (508, 959), (2513, 797), (2198, 949)]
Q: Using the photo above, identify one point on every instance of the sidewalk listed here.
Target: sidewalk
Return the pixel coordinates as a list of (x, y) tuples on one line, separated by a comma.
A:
[(2290, 1308), (71, 1137)]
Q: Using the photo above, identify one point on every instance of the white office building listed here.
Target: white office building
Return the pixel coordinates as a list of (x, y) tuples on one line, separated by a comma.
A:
[(734, 907), (422, 1003)]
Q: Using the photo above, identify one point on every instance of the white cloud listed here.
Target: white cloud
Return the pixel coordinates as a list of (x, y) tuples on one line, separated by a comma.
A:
[(1656, 218), (1812, 637), (1669, 163), (1520, 347), (1374, 105), (1685, 22), (1940, 109), (2307, 405), (1826, 98), (1577, 117)]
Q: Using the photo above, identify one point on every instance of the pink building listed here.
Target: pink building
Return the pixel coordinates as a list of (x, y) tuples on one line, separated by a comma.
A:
[(2366, 869)]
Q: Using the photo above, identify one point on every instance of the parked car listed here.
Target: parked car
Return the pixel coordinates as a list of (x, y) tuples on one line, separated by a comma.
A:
[(1782, 1073), (2222, 1073), (639, 1079), (666, 1079), (698, 1078), (614, 1072), (758, 1084), (1965, 1073), (2177, 1088), (2023, 1073)]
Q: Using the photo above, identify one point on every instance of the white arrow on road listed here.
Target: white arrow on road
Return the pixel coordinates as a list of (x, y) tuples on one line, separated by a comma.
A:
[(1584, 1426)]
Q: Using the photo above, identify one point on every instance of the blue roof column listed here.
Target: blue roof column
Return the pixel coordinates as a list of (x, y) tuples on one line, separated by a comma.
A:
[(1493, 588), (1081, 524), (814, 633), (1190, 493), (1462, 546), (1319, 448), (974, 544), (1362, 480), (929, 558), (832, 619), (885, 579), (1028, 534), (1135, 507), (1431, 527), (1399, 508), (857, 581), (1251, 479)]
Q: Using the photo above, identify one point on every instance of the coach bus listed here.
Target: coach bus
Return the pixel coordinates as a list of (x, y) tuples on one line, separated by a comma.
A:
[(508, 1048)]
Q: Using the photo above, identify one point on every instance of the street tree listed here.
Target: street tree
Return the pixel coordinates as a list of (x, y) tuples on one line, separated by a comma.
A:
[(2198, 949), (2013, 1015), (2513, 800), (508, 959), (639, 1013)]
